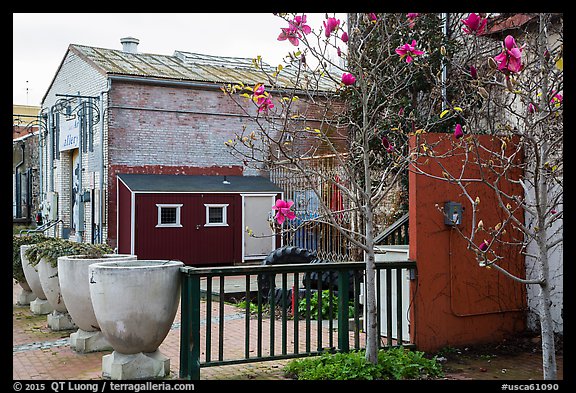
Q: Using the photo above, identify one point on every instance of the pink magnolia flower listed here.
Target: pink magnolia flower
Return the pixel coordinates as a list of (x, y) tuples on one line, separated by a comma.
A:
[(475, 24), (344, 37), (556, 98), (484, 245), (458, 133), (300, 23), (372, 17), (330, 25), (348, 79), (264, 103), (259, 89), (510, 60), (531, 108), (387, 145), (283, 211), (411, 18), (408, 50), (293, 33), (473, 72)]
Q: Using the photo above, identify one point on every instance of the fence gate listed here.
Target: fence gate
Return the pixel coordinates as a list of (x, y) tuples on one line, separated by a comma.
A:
[(306, 309), (316, 194)]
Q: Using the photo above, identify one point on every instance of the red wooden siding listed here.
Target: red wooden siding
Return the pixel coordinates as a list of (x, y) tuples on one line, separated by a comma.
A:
[(124, 218), (116, 169), (193, 243)]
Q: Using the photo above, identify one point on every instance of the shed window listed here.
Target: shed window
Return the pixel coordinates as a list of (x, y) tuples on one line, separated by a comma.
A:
[(168, 215), (216, 215)]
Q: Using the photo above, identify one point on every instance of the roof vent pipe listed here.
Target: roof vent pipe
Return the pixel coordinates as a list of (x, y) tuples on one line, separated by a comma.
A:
[(130, 44)]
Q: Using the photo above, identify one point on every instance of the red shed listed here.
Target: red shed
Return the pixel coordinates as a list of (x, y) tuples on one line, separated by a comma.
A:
[(199, 220)]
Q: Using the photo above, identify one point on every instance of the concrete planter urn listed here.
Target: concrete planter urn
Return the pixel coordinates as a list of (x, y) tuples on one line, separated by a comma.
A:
[(26, 295), (75, 288), (45, 256), (135, 303), (59, 319), (40, 306)]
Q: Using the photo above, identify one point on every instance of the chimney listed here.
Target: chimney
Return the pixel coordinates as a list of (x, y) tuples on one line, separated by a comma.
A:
[(130, 44)]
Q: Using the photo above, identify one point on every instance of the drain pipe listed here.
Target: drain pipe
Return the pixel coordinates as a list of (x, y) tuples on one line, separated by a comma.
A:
[(40, 161), (101, 182), (79, 196), (18, 183), (444, 68), (50, 152)]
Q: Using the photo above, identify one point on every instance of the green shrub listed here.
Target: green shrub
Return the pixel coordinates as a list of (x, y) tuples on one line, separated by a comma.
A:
[(394, 363), (17, 241), (325, 311), (253, 306), (53, 248)]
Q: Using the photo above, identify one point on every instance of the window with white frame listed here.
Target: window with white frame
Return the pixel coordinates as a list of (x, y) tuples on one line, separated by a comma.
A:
[(216, 215), (168, 215)]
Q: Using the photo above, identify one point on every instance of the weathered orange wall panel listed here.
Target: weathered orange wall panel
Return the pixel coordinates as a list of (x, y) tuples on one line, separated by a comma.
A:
[(455, 301)]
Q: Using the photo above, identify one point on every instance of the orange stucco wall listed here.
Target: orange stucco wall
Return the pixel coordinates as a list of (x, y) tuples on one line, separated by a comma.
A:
[(455, 301)]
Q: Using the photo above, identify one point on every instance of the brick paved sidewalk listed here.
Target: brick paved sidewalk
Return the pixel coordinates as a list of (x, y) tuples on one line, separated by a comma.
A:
[(42, 354)]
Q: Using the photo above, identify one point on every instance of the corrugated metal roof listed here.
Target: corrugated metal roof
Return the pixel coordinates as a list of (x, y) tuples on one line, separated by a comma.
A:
[(189, 66), (197, 183)]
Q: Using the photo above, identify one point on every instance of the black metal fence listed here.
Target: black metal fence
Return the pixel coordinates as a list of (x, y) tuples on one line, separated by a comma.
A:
[(395, 234), (288, 311)]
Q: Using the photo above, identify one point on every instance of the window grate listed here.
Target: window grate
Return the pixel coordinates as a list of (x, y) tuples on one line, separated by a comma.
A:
[(216, 215), (168, 215)]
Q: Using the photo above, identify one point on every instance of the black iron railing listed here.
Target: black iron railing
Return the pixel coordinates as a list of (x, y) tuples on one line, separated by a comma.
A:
[(395, 234)]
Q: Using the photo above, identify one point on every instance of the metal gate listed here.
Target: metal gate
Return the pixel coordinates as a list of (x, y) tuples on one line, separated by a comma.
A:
[(282, 325), (315, 195)]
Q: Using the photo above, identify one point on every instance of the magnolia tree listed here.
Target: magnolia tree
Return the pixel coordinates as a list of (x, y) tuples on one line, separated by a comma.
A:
[(512, 90), (360, 90), (353, 93)]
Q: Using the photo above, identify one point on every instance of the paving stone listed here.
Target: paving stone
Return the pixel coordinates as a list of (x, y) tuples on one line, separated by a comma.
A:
[(40, 354)]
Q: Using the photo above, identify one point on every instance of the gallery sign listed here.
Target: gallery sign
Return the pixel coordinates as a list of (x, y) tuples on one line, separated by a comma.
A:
[(69, 134)]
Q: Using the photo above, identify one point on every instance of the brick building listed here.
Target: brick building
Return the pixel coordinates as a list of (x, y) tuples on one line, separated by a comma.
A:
[(111, 112), (25, 184)]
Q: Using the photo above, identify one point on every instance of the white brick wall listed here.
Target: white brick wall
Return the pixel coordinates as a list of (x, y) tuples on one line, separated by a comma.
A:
[(75, 77)]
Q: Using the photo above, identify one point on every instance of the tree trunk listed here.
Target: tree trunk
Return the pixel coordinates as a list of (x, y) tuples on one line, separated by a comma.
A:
[(541, 194), (546, 325), (370, 293), (547, 333)]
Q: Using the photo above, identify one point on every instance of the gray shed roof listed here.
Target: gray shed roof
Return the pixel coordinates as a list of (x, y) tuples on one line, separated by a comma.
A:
[(197, 183), (191, 67)]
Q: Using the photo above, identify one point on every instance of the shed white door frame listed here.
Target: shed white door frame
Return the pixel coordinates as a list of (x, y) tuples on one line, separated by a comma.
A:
[(255, 213)]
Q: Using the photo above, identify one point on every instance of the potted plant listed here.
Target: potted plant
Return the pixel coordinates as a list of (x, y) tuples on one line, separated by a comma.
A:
[(73, 277), (27, 275), (44, 256), (135, 303)]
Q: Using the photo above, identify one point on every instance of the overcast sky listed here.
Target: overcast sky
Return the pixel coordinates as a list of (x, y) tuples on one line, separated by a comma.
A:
[(41, 40)]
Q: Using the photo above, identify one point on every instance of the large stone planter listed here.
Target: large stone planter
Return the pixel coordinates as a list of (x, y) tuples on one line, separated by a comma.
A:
[(135, 303), (26, 295), (40, 306), (59, 319), (75, 288)]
